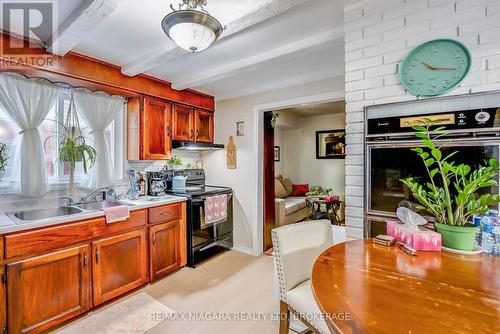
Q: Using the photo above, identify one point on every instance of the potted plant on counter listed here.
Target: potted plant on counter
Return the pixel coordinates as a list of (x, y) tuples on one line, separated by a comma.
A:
[(451, 194), (175, 163)]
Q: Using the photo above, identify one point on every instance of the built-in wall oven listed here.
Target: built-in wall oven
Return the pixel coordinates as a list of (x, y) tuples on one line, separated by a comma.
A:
[(473, 126)]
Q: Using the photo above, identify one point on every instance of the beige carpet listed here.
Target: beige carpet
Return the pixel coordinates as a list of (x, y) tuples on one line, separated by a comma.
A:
[(135, 314)]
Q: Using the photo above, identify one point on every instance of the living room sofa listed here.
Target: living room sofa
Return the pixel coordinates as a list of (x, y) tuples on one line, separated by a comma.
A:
[(289, 209)]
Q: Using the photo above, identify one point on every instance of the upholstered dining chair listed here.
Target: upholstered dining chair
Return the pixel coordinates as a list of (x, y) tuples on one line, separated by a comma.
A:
[(296, 247)]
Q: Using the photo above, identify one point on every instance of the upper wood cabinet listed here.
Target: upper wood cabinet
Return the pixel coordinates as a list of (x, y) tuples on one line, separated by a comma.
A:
[(119, 264), (47, 290), (192, 125), (149, 129), (204, 126), (183, 123)]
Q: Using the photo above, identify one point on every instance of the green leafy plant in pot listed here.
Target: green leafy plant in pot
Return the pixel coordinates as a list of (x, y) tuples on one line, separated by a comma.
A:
[(451, 195), (73, 148), (175, 162), (73, 145)]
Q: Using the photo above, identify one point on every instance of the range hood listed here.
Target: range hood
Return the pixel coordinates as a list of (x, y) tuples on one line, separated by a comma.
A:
[(190, 146)]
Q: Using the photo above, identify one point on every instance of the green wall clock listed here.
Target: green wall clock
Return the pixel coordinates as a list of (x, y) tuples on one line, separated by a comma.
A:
[(435, 67)]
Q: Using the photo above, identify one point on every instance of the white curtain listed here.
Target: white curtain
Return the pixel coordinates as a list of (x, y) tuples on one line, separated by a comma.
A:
[(98, 110), (27, 102)]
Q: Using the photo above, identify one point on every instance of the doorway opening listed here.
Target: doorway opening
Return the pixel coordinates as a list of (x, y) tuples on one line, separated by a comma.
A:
[(303, 156)]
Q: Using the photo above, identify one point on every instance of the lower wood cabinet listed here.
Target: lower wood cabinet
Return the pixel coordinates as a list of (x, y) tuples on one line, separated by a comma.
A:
[(164, 240), (119, 264), (53, 274), (47, 290)]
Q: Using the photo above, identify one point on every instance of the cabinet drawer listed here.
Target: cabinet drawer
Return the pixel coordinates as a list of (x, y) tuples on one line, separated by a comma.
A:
[(137, 219), (165, 213), (49, 238)]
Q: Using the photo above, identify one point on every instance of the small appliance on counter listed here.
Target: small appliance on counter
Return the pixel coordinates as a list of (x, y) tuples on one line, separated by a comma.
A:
[(204, 239), (134, 188), (179, 181), (156, 183)]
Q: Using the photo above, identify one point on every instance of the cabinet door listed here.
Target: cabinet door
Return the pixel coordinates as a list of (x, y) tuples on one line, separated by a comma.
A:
[(164, 249), (156, 135), (204, 124), (119, 265), (46, 290), (183, 123)]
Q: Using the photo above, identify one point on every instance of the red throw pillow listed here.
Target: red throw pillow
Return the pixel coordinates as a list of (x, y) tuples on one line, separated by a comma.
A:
[(300, 189)]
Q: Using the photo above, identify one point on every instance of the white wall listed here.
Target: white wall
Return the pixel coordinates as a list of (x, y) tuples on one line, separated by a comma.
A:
[(299, 153), (379, 34), (244, 179)]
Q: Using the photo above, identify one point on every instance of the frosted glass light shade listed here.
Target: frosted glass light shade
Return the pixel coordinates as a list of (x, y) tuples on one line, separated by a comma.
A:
[(192, 37), (192, 30)]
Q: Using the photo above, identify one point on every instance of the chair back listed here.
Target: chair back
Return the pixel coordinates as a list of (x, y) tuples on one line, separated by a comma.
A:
[(296, 247)]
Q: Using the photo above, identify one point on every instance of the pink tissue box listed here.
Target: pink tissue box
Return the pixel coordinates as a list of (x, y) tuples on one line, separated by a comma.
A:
[(421, 240)]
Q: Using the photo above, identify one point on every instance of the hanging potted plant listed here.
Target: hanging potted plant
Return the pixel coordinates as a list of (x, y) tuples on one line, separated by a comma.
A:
[(451, 193), (274, 119), (3, 159), (73, 147)]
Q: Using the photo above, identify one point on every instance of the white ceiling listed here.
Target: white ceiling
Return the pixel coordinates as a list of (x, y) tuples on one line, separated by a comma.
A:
[(269, 43), (310, 110)]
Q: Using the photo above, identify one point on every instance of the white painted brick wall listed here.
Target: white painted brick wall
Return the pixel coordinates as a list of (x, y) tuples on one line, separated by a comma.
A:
[(379, 35)]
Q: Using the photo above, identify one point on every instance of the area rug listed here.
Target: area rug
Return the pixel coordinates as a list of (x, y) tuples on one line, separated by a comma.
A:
[(136, 314)]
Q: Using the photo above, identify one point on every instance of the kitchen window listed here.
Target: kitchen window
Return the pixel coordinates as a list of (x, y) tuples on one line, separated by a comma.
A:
[(57, 173)]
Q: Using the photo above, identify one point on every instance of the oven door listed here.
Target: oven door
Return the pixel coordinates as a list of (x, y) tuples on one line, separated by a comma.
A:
[(202, 236), (389, 162)]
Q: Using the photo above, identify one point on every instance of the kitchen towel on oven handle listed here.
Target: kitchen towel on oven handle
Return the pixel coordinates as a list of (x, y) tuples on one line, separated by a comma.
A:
[(214, 210)]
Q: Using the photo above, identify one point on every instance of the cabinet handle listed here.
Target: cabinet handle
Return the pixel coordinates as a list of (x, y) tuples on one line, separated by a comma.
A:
[(85, 260), (192, 133), (97, 255), (197, 133)]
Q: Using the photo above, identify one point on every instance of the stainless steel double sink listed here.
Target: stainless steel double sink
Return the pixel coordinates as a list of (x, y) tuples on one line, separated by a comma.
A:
[(21, 217)]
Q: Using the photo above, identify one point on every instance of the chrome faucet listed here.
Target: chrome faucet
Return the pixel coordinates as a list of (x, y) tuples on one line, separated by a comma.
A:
[(92, 196), (69, 199)]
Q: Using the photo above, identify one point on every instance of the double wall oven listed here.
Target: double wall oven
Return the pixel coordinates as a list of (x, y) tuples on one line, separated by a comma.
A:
[(473, 126)]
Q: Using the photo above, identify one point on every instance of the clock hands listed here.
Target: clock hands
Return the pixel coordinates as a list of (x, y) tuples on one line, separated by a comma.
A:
[(437, 68), (428, 65), (445, 68)]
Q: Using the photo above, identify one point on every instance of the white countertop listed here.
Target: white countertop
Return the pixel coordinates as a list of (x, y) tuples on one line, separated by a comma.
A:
[(7, 225)]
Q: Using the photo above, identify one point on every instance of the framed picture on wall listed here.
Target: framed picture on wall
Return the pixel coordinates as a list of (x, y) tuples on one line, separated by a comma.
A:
[(277, 153), (330, 144)]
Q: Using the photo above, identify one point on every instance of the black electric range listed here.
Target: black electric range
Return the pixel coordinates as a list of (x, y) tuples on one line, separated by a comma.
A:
[(203, 242)]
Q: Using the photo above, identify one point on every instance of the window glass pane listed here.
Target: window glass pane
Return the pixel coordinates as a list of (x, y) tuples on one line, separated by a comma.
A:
[(49, 133), (8, 134)]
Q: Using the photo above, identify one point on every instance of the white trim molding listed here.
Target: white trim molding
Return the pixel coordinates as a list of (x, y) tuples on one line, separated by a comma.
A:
[(258, 208)]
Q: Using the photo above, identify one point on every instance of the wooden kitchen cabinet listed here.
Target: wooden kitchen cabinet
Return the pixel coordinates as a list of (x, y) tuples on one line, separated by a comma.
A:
[(164, 246), (204, 126), (192, 125), (119, 264), (47, 290), (149, 135), (52, 274), (183, 123)]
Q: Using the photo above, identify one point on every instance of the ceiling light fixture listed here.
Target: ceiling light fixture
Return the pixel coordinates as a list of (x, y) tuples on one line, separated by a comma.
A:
[(191, 27)]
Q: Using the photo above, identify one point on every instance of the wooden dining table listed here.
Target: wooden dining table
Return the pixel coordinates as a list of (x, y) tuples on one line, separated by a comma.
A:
[(362, 287)]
